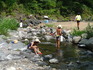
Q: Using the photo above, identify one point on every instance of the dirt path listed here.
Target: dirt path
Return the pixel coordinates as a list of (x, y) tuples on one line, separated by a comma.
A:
[(71, 25)]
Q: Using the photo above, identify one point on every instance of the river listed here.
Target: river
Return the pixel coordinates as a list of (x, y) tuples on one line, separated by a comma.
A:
[(70, 57)]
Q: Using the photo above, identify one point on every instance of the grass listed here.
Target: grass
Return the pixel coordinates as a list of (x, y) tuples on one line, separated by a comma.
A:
[(88, 30), (49, 25), (7, 23), (77, 32)]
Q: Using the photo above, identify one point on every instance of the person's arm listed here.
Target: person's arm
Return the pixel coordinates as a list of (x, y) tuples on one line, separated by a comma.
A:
[(31, 45)]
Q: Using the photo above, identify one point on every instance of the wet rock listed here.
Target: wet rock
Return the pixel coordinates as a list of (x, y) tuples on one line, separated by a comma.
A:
[(54, 60), (48, 56), (27, 54), (78, 62), (36, 58), (90, 42), (70, 64), (83, 41), (85, 65), (41, 63), (87, 42), (76, 39)]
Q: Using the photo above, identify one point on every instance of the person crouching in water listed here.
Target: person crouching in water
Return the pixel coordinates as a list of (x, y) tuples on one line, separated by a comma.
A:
[(58, 36), (33, 46)]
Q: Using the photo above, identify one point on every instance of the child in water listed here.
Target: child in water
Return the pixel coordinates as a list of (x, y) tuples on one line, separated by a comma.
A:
[(33, 45), (58, 36)]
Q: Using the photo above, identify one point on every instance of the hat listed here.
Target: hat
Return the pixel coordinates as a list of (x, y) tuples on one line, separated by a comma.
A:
[(59, 26), (37, 40), (15, 41)]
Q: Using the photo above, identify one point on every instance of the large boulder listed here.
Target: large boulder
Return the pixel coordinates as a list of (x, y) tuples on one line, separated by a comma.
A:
[(87, 42), (84, 35), (90, 43), (82, 43), (76, 39)]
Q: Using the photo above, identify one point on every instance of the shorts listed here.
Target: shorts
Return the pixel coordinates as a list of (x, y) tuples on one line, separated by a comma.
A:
[(57, 37), (78, 21)]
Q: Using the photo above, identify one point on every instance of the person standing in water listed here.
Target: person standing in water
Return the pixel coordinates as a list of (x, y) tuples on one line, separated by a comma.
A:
[(78, 18), (58, 36)]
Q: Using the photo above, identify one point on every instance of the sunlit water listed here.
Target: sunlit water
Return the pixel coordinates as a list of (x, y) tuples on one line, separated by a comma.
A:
[(70, 56)]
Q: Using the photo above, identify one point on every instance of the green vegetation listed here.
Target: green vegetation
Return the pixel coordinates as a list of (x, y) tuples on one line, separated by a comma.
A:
[(6, 24), (49, 25), (88, 30), (77, 32), (54, 8)]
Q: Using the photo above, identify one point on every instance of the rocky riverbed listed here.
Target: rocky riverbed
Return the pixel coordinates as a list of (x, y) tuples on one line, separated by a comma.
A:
[(14, 54)]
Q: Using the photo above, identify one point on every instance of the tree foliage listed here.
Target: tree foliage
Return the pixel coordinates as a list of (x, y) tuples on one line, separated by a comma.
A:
[(61, 7)]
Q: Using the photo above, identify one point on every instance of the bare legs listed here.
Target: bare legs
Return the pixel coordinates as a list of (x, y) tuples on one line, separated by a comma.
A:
[(36, 49), (58, 44), (78, 25)]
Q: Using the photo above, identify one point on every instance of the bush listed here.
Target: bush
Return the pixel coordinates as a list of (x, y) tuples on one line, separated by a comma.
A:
[(6, 24), (89, 31), (77, 32)]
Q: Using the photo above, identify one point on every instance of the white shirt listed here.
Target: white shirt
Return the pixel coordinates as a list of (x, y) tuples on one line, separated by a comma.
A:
[(21, 24)]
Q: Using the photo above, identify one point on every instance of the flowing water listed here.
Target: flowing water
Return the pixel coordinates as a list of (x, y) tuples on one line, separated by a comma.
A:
[(70, 57)]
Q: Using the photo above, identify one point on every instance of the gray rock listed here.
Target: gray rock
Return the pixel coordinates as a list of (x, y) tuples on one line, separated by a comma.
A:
[(2, 56), (83, 41), (48, 56), (48, 37), (17, 46), (84, 36), (90, 42), (12, 57), (43, 31), (54, 60), (76, 39)]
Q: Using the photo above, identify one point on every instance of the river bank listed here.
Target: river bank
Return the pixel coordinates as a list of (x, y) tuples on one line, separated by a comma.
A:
[(15, 56), (71, 24)]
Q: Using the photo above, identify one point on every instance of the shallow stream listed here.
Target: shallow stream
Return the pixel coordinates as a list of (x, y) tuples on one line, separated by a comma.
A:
[(70, 57)]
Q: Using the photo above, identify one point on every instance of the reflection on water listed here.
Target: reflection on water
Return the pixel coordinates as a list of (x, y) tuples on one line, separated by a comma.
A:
[(59, 53), (70, 56)]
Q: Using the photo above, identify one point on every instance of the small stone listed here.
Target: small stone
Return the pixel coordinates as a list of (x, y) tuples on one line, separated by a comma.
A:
[(54, 60)]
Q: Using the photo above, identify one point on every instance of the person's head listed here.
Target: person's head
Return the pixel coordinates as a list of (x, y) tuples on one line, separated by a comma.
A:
[(78, 13), (36, 41), (59, 26)]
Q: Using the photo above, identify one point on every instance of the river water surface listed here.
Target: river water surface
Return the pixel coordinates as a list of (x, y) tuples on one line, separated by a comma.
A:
[(70, 57)]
